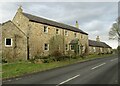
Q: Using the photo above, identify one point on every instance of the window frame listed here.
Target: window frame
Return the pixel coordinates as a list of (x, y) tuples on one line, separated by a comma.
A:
[(75, 34), (8, 45), (57, 32), (45, 31), (66, 47), (66, 34), (94, 49), (71, 48), (47, 47)]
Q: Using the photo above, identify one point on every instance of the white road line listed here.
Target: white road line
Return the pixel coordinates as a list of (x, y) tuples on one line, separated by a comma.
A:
[(9, 80), (98, 66), (113, 59), (18, 78), (68, 80)]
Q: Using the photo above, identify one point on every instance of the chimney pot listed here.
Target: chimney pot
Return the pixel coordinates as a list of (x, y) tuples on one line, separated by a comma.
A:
[(20, 9), (77, 25), (98, 39)]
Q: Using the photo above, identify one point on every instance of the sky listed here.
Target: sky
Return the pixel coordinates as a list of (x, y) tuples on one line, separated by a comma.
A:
[(95, 18)]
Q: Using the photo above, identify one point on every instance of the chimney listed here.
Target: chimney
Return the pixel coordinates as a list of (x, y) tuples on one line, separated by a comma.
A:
[(98, 39), (20, 9), (77, 25)]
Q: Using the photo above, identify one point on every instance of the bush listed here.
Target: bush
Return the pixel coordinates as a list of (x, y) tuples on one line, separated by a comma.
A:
[(55, 56), (56, 53), (32, 60), (4, 60)]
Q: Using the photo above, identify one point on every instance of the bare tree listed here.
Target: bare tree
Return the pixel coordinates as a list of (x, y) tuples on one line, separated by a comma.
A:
[(114, 32)]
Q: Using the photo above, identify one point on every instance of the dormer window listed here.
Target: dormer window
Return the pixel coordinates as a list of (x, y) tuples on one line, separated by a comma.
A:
[(45, 29)]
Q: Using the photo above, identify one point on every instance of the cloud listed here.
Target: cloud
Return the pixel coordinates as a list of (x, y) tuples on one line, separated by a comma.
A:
[(95, 18)]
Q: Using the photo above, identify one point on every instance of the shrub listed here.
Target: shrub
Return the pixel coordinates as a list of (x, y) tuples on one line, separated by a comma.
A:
[(4, 60), (56, 53)]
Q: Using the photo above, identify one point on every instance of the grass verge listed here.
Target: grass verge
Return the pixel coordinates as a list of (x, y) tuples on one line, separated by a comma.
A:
[(11, 70)]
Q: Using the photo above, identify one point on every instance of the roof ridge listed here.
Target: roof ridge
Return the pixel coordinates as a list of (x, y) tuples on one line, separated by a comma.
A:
[(52, 22), (98, 44)]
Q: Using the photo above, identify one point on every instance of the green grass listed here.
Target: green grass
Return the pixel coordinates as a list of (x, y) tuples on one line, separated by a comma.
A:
[(20, 68)]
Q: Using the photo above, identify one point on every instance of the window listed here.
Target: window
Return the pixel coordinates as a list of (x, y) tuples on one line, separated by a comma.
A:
[(89, 49), (82, 36), (46, 46), (59, 47), (45, 29), (57, 31), (66, 33), (83, 48), (75, 34), (94, 49), (72, 47), (66, 47), (8, 42), (101, 50)]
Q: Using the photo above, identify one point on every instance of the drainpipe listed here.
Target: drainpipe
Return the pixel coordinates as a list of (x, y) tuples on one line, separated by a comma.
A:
[(63, 42), (28, 48)]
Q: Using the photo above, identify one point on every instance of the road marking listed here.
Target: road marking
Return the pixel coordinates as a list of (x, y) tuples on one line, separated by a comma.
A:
[(68, 80), (98, 66), (113, 59), (9, 80), (18, 78)]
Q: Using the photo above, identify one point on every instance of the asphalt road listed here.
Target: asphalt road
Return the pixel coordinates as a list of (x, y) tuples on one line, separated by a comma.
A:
[(99, 71)]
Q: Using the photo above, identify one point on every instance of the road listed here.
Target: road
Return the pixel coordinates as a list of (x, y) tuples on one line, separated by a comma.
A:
[(99, 71)]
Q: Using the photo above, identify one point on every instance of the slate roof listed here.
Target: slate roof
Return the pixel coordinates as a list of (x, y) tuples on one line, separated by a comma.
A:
[(98, 44), (52, 23)]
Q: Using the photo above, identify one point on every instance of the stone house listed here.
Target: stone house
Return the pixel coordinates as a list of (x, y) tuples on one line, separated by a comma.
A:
[(98, 47), (27, 36), (14, 42)]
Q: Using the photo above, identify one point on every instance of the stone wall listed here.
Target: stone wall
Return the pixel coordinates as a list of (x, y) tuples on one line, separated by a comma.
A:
[(18, 49), (99, 50), (38, 38)]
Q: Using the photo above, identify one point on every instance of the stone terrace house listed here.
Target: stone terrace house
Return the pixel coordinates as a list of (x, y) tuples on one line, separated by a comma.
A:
[(27, 36), (98, 47)]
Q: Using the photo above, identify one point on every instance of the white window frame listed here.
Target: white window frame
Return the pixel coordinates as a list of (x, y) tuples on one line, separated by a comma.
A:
[(58, 32), (66, 34), (8, 45), (89, 49), (81, 36), (47, 48), (101, 50), (66, 48), (75, 35), (71, 48), (94, 49), (46, 29)]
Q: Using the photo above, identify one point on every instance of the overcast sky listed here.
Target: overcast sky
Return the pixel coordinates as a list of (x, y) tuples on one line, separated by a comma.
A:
[(95, 18)]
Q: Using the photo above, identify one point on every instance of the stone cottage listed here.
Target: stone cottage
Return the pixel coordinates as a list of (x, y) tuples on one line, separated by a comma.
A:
[(27, 36), (98, 47), (14, 42)]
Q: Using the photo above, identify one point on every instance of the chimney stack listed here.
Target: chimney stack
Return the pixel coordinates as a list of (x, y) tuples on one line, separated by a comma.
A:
[(98, 39), (20, 10), (77, 25)]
